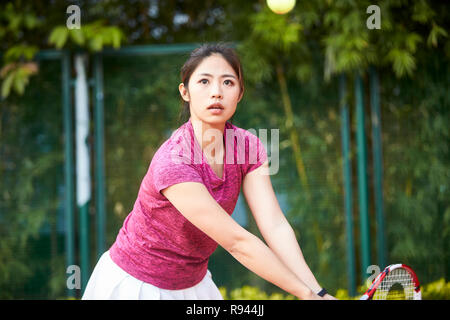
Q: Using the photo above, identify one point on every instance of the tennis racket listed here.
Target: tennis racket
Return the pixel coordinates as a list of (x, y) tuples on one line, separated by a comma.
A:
[(396, 282)]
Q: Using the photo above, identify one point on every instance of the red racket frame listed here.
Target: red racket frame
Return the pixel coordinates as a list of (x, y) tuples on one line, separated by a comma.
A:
[(376, 282)]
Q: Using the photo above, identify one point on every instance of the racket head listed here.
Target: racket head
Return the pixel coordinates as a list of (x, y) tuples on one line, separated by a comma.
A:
[(396, 282)]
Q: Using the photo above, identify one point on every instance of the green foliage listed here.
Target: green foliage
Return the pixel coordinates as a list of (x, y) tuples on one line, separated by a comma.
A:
[(275, 30), (417, 192), (17, 68), (272, 38), (339, 29), (19, 18), (435, 33), (253, 293), (16, 18), (20, 52), (92, 36), (438, 290), (30, 177), (341, 32), (16, 76)]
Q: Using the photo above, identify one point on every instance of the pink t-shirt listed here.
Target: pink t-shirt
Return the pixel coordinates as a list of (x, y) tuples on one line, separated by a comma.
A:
[(156, 243)]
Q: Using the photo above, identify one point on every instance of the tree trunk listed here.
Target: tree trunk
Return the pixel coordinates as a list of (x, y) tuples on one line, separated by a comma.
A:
[(293, 135)]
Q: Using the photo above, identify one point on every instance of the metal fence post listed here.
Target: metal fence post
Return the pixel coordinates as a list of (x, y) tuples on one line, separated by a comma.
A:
[(347, 170), (68, 164), (362, 176), (99, 154), (377, 165), (82, 130)]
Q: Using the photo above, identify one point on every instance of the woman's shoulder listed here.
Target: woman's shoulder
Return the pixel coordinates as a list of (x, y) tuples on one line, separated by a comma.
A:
[(177, 149)]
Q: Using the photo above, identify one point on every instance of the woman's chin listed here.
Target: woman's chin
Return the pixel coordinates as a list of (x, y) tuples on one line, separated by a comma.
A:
[(216, 119)]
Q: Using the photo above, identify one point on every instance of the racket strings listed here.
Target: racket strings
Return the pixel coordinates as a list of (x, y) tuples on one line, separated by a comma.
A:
[(397, 285)]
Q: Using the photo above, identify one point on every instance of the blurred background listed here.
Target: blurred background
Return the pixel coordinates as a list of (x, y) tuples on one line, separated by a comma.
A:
[(90, 92)]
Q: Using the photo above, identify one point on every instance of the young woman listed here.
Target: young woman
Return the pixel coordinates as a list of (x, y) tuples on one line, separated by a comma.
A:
[(185, 201)]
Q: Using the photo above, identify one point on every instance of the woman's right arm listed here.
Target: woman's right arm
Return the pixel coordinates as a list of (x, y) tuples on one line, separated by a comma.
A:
[(197, 205)]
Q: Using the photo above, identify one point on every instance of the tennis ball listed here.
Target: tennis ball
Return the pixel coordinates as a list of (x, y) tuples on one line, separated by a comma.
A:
[(281, 6)]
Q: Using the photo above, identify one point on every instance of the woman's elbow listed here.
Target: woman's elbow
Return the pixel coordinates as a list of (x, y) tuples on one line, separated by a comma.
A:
[(241, 245)]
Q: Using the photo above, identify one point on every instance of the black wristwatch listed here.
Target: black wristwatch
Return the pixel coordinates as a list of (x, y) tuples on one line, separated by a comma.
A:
[(322, 292)]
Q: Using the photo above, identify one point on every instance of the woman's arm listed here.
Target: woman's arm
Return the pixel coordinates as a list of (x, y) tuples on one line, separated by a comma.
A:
[(273, 225), (197, 205)]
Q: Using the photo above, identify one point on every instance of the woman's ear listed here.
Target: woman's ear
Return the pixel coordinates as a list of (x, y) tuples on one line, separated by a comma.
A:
[(184, 92), (241, 95)]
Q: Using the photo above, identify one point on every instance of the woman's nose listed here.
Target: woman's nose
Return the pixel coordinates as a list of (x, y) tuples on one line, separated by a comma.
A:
[(216, 91)]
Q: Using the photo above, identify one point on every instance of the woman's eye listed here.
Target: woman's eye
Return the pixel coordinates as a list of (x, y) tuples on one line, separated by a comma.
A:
[(226, 82)]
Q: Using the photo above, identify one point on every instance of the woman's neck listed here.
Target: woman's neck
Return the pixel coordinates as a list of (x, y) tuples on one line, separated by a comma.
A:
[(209, 136)]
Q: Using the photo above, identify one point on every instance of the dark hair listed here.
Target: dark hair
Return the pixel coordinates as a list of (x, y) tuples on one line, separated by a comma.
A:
[(196, 57)]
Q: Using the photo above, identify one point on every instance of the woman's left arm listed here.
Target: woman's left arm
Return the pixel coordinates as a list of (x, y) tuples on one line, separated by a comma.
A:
[(274, 227)]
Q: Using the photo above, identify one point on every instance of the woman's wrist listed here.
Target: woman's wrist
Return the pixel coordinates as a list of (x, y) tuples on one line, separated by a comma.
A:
[(322, 292), (307, 294)]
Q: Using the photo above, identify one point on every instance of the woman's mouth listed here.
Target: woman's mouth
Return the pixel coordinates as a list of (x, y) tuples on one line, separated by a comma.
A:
[(216, 108)]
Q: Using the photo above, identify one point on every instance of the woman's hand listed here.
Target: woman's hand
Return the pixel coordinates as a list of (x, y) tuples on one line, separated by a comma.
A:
[(329, 297)]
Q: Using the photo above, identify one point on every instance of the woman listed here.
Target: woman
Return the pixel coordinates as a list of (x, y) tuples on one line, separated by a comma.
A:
[(185, 200)]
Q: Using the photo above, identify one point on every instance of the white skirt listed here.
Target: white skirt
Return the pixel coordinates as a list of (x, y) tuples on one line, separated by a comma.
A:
[(109, 282)]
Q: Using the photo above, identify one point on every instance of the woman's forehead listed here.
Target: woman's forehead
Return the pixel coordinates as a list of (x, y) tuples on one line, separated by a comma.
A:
[(215, 65)]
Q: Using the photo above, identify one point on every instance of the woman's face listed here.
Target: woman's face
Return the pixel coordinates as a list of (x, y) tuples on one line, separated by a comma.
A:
[(214, 81)]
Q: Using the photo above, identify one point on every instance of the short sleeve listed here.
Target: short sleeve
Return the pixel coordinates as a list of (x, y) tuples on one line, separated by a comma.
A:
[(165, 173), (256, 154)]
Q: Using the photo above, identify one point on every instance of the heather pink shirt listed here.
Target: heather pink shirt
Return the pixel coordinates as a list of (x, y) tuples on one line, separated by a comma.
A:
[(156, 243)]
